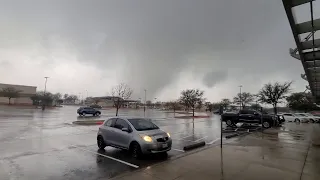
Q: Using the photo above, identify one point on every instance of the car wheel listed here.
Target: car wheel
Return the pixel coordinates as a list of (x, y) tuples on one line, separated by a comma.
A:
[(100, 142), (266, 124), (311, 120), (83, 113), (136, 150), (97, 114), (229, 122), (297, 120)]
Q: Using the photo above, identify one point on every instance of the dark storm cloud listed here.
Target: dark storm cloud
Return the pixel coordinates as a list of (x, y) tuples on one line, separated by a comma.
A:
[(212, 78), (152, 41)]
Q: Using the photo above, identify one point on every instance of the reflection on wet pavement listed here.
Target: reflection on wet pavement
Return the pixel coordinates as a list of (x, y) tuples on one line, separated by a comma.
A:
[(38, 144)]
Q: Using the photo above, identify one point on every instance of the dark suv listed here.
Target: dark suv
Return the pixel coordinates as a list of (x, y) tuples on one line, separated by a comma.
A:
[(249, 116), (82, 111)]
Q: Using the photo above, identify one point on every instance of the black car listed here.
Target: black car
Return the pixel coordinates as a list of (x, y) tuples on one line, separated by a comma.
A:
[(249, 116), (82, 111)]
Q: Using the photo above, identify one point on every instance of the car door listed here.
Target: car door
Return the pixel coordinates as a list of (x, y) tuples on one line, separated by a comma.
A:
[(122, 138), (86, 110), (92, 110), (288, 117), (245, 116), (256, 117), (107, 130)]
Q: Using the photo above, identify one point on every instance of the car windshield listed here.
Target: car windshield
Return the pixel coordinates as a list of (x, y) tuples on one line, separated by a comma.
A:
[(142, 124)]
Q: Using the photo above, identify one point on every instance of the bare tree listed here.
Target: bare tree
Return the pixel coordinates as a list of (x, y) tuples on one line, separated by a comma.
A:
[(174, 105), (96, 100), (120, 93), (225, 103), (191, 98), (9, 92), (274, 93), (243, 99)]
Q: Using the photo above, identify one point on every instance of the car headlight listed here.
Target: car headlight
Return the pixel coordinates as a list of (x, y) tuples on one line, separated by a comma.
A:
[(146, 138), (168, 135)]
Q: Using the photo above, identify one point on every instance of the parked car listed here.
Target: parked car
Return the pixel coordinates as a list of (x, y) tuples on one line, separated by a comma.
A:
[(291, 117), (312, 118), (139, 136), (96, 106), (249, 116), (216, 112), (82, 111)]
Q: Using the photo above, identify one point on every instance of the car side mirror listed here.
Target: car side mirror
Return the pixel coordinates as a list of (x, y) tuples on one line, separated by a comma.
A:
[(125, 130)]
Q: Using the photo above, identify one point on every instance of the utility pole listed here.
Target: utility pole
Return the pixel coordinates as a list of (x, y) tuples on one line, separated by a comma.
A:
[(240, 97), (44, 93), (145, 102)]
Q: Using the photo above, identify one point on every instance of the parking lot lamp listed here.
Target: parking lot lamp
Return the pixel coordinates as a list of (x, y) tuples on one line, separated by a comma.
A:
[(145, 102), (240, 97), (44, 93)]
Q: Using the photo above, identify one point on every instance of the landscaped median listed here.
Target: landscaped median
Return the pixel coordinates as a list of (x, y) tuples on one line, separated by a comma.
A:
[(89, 122)]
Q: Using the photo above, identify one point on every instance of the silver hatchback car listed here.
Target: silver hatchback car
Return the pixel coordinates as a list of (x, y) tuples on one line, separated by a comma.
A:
[(138, 135)]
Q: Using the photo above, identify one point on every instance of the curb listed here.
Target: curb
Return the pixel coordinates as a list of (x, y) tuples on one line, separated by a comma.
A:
[(232, 135), (193, 146), (89, 122)]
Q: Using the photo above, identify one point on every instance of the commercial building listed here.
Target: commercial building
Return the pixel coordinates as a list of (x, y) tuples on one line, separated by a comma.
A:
[(24, 95), (307, 41)]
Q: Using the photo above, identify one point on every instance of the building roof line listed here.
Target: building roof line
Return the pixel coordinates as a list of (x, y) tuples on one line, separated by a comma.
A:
[(17, 85)]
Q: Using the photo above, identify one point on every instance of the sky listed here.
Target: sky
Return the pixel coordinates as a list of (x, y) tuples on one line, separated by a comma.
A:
[(161, 46)]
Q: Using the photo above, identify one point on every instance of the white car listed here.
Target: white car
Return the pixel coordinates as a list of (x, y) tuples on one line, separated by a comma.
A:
[(290, 117), (312, 118)]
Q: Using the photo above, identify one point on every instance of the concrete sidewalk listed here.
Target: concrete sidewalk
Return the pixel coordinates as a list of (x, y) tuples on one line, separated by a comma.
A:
[(275, 154)]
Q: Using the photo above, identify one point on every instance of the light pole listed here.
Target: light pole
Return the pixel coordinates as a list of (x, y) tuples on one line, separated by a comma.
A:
[(44, 93), (155, 102), (145, 102), (45, 84), (240, 97)]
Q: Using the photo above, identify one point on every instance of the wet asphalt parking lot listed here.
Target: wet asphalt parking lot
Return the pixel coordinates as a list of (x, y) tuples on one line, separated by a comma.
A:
[(38, 144)]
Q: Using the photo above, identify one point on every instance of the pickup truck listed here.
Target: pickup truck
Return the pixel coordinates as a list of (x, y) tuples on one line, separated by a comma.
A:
[(249, 116)]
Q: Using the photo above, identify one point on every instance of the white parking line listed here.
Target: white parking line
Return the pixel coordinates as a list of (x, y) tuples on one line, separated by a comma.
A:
[(214, 141), (126, 163), (177, 150)]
